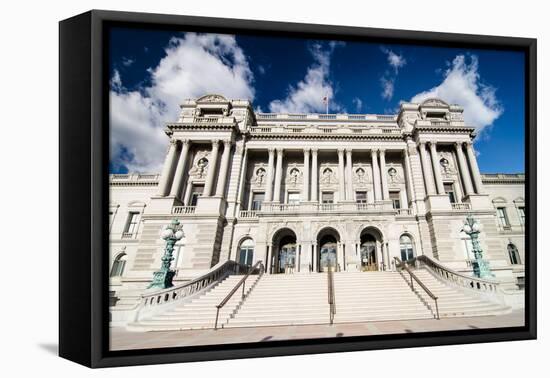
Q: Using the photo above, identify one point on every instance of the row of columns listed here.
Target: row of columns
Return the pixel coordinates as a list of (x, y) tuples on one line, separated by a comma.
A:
[(173, 185), (468, 169), (345, 174)]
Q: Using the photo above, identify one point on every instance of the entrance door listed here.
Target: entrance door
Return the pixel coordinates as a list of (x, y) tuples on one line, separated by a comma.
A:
[(328, 257), (368, 256), (287, 258)]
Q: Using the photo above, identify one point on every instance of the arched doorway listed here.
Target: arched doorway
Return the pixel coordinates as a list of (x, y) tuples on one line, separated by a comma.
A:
[(285, 256), (327, 241), (370, 249), (246, 252)]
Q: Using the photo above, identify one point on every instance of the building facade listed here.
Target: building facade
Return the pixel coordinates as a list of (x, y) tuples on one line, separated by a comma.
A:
[(309, 192)]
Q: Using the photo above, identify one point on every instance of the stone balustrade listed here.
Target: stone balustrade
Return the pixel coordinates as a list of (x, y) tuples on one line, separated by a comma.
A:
[(183, 209), (461, 206)]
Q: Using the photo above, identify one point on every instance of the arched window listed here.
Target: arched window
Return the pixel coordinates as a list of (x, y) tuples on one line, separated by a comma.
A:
[(246, 252), (406, 247), (118, 265), (513, 254)]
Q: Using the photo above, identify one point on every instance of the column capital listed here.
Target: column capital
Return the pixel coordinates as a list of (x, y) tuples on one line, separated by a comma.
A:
[(280, 151), (374, 151), (382, 151), (307, 150), (469, 143), (227, 142), (459, 144), (185, 142), (314, 150), (422, 143), (349, 151), (173, 142), (271, 150), (340, 151), (215, 142), (432, 143)]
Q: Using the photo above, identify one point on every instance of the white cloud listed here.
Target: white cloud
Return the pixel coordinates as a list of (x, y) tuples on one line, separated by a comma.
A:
[(387, 81), (462, 85), (387, 87), (396, 61), (358, 104), (127, 62), (307, 96), (194, 65)]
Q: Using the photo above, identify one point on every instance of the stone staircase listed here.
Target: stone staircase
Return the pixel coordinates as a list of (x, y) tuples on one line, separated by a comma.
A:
[(199, 313), (299, 299), (454, 302), (285, 299), (372, 296)]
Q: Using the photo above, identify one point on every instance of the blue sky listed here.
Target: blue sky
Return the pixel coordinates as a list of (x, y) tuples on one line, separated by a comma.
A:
[(153, 71)]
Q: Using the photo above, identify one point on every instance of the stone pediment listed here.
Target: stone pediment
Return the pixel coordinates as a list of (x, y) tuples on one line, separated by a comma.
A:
[(212, 98), (434, 103)]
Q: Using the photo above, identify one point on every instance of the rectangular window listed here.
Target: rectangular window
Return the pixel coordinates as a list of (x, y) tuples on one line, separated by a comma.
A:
[(395, 199), (293, 198), (502, 217), (449, 189), (361, 197), (132, 224), (327, 197), (257, 200), (521, 211), (195, 194)]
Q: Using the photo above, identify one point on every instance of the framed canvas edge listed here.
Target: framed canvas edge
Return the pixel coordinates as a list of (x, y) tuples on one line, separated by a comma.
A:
[(98, 279)]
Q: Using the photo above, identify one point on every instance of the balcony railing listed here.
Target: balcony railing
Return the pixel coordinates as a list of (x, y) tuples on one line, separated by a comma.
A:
[(183, 209), (404, 212), (127, 235), (248, 213), (461, 206)]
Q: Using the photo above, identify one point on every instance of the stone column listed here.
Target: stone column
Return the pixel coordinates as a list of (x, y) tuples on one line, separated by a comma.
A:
[(164, 183), (383, 175), (269, 180), (314, 175), (408, 176), (437, 169), (222, 177), (269, 258), (464, 174), (212, 162), (177, 185), (430, 190), (341, 174), (349, 178), (475, 169), (375, 175), (305, 176), (278, 175), (315, 258)]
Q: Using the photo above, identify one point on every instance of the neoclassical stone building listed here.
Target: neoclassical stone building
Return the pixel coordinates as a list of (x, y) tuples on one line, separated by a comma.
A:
[(303, 192)]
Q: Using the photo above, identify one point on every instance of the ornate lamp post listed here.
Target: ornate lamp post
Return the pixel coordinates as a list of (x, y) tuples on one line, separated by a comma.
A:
[(481, 266), (162, 279)]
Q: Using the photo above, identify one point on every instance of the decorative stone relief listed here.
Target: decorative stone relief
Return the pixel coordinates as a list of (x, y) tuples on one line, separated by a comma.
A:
[(293, 175), (447, 165), (200, 165), (395, 174), (259, 175), (328, 175), (361, 175)]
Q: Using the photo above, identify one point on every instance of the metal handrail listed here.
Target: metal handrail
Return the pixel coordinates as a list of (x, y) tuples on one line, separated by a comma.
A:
[(331, 296), (242, 281), (402, 265)]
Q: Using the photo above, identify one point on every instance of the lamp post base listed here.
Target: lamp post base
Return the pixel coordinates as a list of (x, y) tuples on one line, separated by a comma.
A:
[(162, 279), (481, 269)]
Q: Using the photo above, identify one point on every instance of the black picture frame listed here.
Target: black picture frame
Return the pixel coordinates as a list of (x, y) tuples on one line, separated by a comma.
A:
[(83, 196)]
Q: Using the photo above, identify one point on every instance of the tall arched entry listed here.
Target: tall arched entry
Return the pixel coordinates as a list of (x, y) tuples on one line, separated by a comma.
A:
[(370, 249), (328, 241), (285, 252)]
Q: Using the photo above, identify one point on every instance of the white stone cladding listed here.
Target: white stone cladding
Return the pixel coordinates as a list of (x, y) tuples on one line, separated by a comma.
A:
[(364, 185)]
